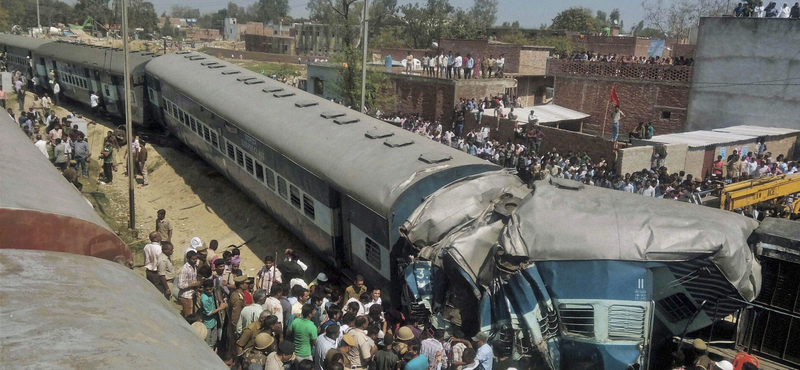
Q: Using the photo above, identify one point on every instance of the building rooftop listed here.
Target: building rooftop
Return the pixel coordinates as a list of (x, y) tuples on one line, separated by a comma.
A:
[(756, 130)]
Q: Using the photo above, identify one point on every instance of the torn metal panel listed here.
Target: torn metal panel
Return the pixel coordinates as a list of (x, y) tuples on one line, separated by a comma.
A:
[(613, 225)]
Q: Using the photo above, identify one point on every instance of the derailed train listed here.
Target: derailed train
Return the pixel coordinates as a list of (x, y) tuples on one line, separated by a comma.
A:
[(574, 277)]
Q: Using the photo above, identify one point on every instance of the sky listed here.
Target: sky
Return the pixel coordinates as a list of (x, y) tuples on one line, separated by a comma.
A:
[(530, 13)]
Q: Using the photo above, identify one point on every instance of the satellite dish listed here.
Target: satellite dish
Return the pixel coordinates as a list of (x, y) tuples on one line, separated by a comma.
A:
[(616, 22), (435, 44)]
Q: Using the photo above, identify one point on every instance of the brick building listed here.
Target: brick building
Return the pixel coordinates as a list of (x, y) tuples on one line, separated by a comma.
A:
[(647, 93)]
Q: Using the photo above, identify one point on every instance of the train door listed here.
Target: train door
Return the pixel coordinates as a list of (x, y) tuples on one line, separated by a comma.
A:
[(341, 250), (94, 79)]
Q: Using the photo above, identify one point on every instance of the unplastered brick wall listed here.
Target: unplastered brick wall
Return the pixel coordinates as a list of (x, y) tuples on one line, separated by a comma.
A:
[(430, 97), (640, 101)]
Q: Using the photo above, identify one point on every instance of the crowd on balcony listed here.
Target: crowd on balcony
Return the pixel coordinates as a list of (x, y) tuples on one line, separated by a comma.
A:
[(771, 10), (627, 59)]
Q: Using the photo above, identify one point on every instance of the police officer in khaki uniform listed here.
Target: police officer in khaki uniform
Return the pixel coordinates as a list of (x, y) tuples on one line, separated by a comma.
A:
[(258, 354)]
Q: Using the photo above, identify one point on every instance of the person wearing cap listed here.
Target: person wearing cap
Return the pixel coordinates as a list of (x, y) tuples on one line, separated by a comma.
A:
[(209, 309), (355, 290), (316, 286), (188, 283), (346, 344), (196, 323), (277, 359), (723, 365), (304, 332), (702, 361), (257, 357), (324, 344), (193, 245), (236, 302), (266, 324), (484, 350), (163, 226), (251, 313)]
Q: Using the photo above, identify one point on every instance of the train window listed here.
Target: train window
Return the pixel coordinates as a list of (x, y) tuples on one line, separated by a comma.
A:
[(195, 128), (282, 187), (259, 172), (577, 319), (270, 179), (108, 92), (372, 253), (133, 97), (239, 157), (190, 121), (183, 118), (229, 148), (206, 132), (248, 164), (294, 194), (214, 139), (308, 206)]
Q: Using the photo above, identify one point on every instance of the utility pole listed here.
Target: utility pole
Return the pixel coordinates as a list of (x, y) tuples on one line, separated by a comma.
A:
[(128, 123), (38, 18), (364, 59)]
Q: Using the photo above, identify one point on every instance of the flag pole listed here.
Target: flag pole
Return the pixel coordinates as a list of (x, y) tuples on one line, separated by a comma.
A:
[(603, 134)]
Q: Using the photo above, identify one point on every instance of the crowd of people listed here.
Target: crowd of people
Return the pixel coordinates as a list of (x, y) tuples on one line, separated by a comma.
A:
[(591, 56), (525, 154), (772, 10), (279, 318), (457, 66), (62, 142)]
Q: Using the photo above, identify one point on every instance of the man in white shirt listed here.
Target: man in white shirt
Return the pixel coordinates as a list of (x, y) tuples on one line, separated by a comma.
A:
[(533, 119), (251, 313), (784, 13), (151, 252), (41, 145), (442, 63), (458, 62), (501, 63), (649, 190), (94, 102), (56, 91)]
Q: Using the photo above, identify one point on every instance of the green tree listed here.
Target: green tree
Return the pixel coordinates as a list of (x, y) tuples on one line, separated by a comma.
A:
[(97, 9), (601, 15), (167, 29), (614, 16), (381, 15), (516, 38), (182, 11), (142, 14), (3, 19), (484, 13), (559, 43), (272, 10), (576, 19)]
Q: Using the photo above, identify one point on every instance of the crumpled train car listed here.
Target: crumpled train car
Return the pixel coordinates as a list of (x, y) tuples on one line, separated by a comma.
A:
[(575, 277)]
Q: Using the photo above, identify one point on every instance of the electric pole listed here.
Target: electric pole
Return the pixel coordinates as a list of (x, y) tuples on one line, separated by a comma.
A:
[(364, 59), (128, 123)]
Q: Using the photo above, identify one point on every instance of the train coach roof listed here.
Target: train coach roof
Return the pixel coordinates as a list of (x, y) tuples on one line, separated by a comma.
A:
[(373, 171), (65, 311), (28, 181), (23, 42), (93, 56)]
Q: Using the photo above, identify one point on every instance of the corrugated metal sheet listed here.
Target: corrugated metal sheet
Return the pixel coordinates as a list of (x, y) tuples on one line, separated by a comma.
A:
[(696, 139), (756, 130)]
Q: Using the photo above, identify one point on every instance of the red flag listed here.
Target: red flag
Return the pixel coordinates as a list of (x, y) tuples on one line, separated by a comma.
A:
[(614, 97)]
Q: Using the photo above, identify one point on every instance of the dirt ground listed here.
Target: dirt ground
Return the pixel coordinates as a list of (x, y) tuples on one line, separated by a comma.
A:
[(199, 201)]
